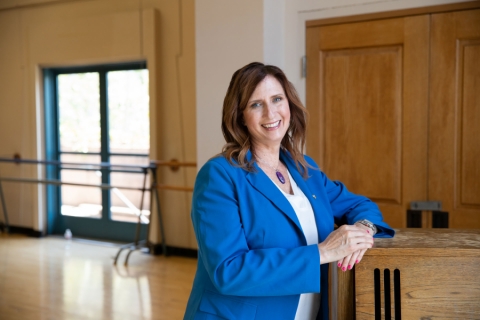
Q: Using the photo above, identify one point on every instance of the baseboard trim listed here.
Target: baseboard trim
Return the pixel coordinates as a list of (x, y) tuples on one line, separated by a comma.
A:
[(22, 230), (157, 249)]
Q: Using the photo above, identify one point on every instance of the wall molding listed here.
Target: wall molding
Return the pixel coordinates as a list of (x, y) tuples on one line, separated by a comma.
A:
[(395, 13)]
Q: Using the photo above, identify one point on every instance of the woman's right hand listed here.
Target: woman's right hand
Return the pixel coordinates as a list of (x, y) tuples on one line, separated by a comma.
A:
[(343, 242)]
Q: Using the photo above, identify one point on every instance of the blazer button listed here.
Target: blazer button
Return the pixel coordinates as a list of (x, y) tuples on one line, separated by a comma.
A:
[(314, 196)]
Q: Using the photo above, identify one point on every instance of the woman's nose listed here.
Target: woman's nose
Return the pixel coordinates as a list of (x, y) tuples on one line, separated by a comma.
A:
[(268, 110)]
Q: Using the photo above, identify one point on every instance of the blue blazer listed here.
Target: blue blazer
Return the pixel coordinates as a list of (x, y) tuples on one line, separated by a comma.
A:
[(253, 258)]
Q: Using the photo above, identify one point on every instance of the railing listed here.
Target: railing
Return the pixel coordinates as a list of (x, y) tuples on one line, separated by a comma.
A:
[(143, 169), (174, 166)]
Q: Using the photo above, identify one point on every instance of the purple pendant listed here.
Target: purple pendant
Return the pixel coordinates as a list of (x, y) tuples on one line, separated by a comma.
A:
[(280, 177)]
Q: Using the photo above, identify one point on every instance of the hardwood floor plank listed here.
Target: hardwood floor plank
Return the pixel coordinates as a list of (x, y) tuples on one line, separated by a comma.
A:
[(54, 278)]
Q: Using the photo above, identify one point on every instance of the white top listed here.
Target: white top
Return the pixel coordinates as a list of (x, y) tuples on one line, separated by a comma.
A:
[(309, 303)]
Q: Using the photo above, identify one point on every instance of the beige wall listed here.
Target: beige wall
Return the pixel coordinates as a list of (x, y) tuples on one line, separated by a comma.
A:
[(42, 33)]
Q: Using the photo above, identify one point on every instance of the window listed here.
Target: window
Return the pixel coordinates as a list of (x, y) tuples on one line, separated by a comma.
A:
[(96, 114)]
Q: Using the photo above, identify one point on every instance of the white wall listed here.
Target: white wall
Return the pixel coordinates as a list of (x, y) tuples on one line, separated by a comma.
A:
[(230, 34)]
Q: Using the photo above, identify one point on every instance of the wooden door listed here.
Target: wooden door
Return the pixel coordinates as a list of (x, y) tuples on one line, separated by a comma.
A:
[(454, 131), (367, 94)]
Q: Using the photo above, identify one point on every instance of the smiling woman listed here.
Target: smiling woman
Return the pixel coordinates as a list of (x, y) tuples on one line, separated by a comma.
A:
[(267, 117), (264, 213), (234, 127)]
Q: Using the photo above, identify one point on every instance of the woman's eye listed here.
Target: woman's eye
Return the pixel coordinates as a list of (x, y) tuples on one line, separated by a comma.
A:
[(277, 99), (256, 104)]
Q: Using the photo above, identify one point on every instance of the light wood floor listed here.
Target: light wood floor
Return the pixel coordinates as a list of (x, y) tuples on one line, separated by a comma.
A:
[(53, 278)]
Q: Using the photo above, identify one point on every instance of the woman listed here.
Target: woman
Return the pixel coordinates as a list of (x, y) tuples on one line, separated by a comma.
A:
[(264, 213)]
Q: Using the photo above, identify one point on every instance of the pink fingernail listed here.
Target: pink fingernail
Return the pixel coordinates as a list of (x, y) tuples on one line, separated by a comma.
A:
[(344, 269), (339, 265), (356, 261), (368, 231), (349, 267)]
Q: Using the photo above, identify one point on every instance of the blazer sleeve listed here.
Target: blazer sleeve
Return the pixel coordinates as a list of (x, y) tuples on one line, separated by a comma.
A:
[(233, 268), (349, 208)]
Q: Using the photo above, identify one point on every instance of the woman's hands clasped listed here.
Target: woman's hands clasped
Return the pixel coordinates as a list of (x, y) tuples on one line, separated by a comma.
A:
[(347, 245)]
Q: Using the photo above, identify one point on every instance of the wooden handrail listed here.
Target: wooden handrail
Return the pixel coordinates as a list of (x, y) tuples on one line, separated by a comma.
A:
[(177, 188), (174, 164)]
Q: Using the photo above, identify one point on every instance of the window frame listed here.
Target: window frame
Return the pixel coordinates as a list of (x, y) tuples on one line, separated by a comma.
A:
[(53, 152)]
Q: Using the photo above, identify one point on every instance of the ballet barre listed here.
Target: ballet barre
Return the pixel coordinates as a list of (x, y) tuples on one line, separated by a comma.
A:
[(153, 189)]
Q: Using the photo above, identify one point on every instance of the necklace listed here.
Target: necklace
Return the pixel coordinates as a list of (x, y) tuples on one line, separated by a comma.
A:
[(279, 175)]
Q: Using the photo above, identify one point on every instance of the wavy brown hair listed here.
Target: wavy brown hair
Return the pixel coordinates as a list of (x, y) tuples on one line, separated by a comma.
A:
[(242, 85)]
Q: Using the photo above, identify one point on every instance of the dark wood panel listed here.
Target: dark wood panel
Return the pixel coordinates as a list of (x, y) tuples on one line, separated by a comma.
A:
[(363, 114), (469, 102), (367, 94), (395, 14), (454, 137)]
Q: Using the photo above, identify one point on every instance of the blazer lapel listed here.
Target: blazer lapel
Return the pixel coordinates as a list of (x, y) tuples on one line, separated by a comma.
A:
[(317, 205), (261, 182), (301, 183)]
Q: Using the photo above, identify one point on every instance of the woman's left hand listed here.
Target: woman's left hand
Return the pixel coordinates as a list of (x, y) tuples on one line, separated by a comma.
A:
[(349, 261)]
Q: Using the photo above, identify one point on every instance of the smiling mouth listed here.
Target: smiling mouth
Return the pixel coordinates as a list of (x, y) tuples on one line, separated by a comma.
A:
[(271, 125)]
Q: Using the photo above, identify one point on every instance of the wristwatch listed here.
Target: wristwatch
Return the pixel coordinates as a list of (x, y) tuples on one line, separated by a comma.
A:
[(367, 223)]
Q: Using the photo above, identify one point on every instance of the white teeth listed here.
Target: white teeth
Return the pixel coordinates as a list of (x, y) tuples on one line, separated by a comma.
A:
[(271, 125)]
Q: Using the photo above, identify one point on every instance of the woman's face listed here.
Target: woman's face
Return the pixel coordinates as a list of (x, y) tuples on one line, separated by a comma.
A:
[(267, 114)]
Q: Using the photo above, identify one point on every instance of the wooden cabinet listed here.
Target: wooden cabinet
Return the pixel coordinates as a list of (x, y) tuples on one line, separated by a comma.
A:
[(395, 110), (420, 274)]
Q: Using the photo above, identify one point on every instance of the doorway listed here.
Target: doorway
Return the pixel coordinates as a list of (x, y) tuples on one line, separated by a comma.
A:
[(395, 104), (97, 129)]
